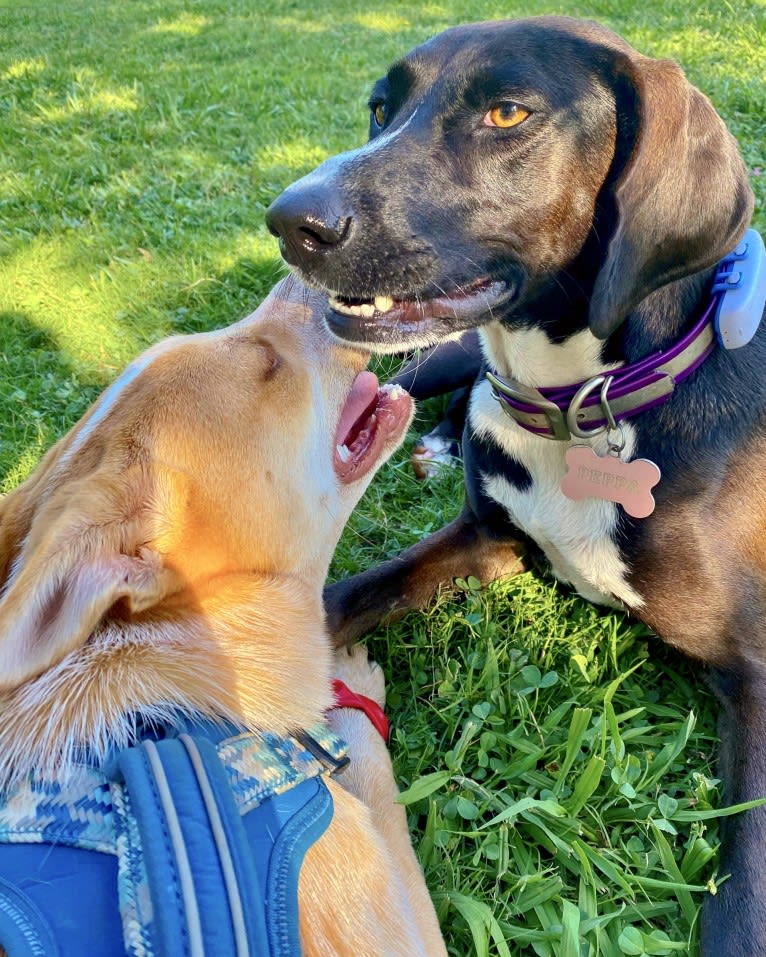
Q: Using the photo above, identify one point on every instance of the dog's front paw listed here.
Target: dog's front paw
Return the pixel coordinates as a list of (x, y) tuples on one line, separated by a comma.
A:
[(354, 668), (353, 606), (434, 451)]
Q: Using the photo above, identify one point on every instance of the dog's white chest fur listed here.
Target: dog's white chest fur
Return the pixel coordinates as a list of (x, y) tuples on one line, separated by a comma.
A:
[(576, 537)]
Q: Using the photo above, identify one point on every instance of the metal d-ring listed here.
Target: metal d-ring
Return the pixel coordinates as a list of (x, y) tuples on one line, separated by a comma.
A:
[(576, 404)]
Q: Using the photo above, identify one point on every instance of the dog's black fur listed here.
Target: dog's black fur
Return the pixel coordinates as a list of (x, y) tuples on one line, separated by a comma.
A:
[(605, 209)]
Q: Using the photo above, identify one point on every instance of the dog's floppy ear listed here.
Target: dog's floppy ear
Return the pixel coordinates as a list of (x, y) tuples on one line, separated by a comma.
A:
[(683, 199), (70, 572)]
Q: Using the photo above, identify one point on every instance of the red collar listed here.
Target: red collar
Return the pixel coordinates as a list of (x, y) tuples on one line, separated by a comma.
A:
[(346, 698)]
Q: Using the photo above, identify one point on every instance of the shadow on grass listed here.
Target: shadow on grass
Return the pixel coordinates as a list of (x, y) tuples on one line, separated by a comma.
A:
[(44, 390), (41, 396), (226, 298)]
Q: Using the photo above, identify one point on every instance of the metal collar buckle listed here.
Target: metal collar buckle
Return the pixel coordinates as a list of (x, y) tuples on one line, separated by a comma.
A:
[(530, 396), (573, 412)]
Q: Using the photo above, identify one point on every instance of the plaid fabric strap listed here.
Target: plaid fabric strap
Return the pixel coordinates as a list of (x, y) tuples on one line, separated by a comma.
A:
[(81, 813), (179, 804)]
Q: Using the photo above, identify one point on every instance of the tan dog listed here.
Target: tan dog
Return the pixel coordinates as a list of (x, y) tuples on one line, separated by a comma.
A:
[(168, 556)]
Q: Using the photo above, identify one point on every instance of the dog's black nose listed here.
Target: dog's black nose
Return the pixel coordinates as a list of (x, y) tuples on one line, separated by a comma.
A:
[(307, 225)]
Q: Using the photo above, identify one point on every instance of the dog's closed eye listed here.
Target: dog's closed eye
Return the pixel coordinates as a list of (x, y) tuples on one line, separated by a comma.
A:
[(271, 358), (261, 353)]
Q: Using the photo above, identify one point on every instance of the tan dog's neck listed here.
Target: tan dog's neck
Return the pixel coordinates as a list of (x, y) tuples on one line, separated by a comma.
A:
[(239, 654)]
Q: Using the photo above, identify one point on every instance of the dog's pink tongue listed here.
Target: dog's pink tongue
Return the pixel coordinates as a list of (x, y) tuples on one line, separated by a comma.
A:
[(363, 393)]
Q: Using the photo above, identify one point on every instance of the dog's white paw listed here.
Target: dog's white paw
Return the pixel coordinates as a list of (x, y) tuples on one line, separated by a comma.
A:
[(353, 666), (432, 453)]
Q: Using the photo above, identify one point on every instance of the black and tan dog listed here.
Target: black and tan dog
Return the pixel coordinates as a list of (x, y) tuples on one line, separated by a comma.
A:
[(544, 182)]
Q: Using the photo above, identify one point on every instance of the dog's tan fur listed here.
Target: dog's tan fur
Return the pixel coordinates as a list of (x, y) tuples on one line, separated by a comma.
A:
[(169, 555)]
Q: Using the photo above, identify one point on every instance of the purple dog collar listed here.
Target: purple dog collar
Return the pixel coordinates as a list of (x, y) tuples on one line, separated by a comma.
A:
[(561, 412), (737, 303)]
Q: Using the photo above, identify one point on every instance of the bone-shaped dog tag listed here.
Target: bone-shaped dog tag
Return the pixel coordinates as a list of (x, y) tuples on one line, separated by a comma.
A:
[(627, 483)]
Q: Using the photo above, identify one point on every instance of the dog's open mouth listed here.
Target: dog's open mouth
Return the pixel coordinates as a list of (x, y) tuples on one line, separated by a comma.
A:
[(372, 422), (385, 319)]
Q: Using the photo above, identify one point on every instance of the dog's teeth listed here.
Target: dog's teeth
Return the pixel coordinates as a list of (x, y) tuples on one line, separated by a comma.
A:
[(383, 303), (393, 390), (343, 453), (365, 309), (343, 307)]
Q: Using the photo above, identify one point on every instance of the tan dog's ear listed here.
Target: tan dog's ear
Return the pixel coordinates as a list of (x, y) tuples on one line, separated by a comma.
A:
[(62, 587), (683, 198)]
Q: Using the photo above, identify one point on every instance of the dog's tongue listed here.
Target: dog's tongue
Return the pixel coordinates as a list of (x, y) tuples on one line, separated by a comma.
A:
[(364, 393), (371, 424)]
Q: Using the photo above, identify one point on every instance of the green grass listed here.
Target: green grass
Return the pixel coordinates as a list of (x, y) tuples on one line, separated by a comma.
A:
[(558, 761)]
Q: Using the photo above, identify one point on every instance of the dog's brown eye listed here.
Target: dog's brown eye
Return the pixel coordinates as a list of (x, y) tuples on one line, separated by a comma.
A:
[(379, 113), (506, 115)]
